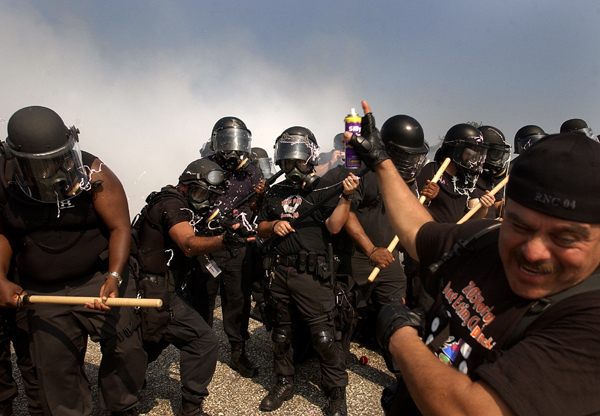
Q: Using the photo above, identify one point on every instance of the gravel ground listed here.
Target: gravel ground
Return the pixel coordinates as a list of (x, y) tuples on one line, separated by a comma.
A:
[(232, 395)]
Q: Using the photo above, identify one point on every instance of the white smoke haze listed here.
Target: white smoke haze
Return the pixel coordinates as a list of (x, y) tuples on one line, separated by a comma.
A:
[(145, 81), (147, 118)]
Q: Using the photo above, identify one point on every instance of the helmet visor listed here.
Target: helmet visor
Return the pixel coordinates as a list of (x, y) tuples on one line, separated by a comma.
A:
[(298, 148), (524, 142), (497, 156), (266, 167), (407, 163), (52, 176), (469, 156), (227, 140)]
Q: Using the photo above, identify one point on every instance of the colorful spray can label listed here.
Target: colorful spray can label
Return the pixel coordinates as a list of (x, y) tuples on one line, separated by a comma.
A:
[(352, 121)]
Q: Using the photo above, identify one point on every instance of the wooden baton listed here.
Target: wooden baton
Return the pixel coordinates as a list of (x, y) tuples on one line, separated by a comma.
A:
[(82, 300), (422, 199), (493, 192)]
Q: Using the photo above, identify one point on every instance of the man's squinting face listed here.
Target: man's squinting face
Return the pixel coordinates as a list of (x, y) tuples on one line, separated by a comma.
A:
[(544, 255)]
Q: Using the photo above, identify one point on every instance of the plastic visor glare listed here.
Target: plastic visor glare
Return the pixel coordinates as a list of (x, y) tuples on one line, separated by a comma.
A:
[(52, 176), (215, 177), (588, 132), (469, 156), (298, 148), (231, 139), (407, 163), (266, 167)]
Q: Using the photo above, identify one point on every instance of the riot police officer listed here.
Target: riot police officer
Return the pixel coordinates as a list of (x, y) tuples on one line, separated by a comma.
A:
[(300, 268), (166, 239), (231, 141), (65, 224)]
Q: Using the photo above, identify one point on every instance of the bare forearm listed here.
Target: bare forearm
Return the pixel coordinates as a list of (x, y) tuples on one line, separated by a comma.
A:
[(358, 235), (338, 217), (203, 245), (118, 249), (405, 213), (439, 389)]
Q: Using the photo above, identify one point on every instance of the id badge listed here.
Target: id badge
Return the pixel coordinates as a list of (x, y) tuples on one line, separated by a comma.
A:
[(212, 267)]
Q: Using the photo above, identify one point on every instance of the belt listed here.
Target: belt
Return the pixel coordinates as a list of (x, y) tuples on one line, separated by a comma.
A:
[(293, 259), (288, 261)]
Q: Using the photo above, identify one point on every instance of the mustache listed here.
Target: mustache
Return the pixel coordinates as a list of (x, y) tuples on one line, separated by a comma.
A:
[(541, 266)]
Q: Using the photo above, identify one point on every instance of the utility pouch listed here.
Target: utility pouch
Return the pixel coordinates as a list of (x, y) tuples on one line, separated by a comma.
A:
[(312, 262), (267, 262), (302, 261)]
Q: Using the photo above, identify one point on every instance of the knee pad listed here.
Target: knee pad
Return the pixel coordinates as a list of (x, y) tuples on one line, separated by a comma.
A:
[(282, 339), (324, 344)]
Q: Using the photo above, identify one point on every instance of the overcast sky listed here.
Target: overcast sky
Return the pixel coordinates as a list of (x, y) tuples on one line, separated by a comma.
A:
[(145, 81)]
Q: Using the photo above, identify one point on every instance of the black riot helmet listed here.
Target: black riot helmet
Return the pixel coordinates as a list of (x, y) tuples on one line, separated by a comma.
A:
[(577, 125), (262, 162), (231, 141), (526, 136), (297, 153), (498, 152), (45, 155), (405, 143), (464, 145), (206, 181), (206, 150)]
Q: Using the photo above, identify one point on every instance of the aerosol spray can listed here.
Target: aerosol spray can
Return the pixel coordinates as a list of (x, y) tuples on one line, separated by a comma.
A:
[(352, 121)]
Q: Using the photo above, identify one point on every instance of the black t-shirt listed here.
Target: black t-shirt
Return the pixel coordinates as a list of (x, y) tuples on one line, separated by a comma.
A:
[(553, 370), (158, 249), (448, 206), (283, 202), (52, 242)]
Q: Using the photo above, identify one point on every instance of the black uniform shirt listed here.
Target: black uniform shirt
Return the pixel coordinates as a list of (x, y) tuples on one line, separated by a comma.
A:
[(239, 185), (53, 242), (283, 202), (155, 242)]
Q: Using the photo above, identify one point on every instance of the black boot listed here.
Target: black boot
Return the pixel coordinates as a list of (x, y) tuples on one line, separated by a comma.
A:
[(282, 390), (191, 409), (240, 363), (337, 402)]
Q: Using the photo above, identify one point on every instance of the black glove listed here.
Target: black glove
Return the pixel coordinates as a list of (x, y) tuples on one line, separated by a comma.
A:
[(394, 316), (232, 239), (368, 145)]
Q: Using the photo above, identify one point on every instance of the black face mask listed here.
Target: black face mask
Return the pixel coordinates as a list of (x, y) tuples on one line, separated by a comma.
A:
[(233, 160)]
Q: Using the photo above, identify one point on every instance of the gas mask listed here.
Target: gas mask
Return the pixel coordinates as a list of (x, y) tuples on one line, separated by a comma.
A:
[(296, 171), (201, 197), (53, 176), (233, 160)]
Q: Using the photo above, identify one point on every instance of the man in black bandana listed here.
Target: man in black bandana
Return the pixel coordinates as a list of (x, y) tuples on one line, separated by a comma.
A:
[(471, 355)]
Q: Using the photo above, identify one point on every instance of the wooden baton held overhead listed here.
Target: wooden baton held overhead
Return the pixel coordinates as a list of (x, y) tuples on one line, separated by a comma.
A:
[(493, 192), (82, 300), (422, 199)]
